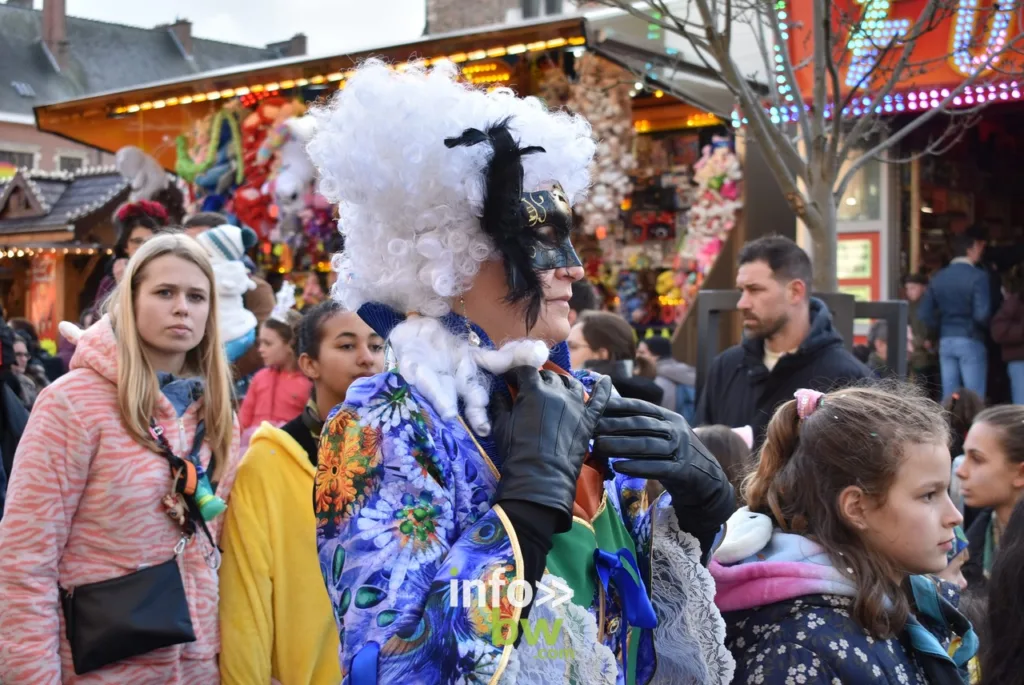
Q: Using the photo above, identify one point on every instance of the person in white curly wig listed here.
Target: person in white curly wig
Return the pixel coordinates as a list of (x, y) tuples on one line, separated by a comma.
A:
[(476, 475)]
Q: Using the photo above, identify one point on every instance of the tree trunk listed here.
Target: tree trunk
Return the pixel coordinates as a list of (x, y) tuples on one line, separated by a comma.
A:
[(823, 251)]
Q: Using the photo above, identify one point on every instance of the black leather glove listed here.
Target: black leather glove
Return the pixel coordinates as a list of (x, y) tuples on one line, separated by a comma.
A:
[(655, 443), (543, 437)]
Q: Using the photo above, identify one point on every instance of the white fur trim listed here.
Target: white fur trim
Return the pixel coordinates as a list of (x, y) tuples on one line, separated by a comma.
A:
[(446, 368)]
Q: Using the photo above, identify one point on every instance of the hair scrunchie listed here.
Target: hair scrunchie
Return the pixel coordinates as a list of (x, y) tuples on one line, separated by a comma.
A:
[(807, 401)]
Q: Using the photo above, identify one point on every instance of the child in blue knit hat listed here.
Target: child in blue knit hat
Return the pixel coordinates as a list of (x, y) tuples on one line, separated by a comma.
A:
[(226, 246)]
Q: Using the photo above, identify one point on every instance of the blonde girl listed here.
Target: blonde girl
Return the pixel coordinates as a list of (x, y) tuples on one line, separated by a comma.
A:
[(93, 499)]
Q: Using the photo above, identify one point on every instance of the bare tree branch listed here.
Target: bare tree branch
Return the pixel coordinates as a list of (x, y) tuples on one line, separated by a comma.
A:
[(858, 128)]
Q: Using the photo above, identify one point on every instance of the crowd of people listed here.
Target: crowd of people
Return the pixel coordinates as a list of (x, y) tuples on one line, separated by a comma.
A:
[(355, 503)]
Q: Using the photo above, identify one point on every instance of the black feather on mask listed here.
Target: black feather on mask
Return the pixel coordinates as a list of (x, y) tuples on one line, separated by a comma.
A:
[(501, 219)]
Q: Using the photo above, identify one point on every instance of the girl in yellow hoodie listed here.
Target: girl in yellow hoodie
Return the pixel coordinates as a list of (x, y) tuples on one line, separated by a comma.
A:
[(276, 618)]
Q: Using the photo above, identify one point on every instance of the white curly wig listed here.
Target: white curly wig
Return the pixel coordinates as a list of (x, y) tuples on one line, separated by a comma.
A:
[(409, 207)]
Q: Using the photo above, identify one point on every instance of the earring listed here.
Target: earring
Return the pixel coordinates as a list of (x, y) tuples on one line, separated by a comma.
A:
[(471, 335)]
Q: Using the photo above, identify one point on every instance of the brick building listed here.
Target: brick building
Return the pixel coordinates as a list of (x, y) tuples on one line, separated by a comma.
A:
[(457, 15)]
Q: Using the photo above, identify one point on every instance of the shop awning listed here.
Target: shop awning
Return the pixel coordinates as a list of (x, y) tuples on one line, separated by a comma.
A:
[(151, 116)]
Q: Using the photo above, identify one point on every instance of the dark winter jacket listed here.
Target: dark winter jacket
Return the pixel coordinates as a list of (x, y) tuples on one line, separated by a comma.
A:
[(974, 567), (623, 380), (677, 381), (958, 302), (13, 419), (740, 391), (788, 615), (1008, 328)]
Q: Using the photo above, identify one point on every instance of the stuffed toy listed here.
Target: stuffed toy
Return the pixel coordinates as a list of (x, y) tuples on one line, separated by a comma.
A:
[(291, 184), (252, 202), (146, 176), (149, 181), (226, 246)]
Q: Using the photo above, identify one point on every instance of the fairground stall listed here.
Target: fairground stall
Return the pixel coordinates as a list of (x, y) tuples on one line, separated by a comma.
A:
[(55, 230), (668, 184)]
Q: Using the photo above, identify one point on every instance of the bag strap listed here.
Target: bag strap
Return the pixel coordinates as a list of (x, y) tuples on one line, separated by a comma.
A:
[(186, 486)]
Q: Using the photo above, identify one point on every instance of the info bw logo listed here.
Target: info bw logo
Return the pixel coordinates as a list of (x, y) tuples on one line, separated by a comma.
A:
[(518, 593)]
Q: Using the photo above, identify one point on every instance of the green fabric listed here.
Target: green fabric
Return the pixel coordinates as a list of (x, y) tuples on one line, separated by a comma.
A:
[(572, 559)]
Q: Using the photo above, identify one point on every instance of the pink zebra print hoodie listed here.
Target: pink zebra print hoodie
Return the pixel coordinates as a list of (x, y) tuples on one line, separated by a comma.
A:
[(84, 505)]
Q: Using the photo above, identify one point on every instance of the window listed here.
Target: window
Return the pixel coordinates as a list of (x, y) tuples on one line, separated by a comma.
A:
[(23, 89), (541, 8), (71, 164), (862, 200), (18, 159)]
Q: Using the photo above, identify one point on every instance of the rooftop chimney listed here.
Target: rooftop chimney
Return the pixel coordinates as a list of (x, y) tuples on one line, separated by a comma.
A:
[(55, 32), (181, 29), (293, 47)]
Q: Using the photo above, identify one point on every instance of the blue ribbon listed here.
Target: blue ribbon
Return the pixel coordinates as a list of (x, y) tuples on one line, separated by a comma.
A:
[(363, 670), (621, 570)]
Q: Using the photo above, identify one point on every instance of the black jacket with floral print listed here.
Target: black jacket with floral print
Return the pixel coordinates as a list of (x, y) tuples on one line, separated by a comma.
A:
[(814, 640)]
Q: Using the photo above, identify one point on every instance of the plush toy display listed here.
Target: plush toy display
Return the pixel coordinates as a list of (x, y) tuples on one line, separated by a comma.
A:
[(718, 175), (213, 161), (253, 203), (226, 246)]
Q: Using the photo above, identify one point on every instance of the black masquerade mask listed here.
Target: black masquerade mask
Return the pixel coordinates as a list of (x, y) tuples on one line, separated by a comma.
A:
[(531, 230)]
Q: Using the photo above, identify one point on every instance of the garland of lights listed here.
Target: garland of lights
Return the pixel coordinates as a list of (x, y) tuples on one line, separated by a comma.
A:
[(875, 28)]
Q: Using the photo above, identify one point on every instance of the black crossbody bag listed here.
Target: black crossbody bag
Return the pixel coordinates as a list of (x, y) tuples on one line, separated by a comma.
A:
[(143, 611)]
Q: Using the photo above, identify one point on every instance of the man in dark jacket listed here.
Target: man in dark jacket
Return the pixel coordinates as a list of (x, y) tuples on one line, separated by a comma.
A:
[(789, 342), (958, 304)]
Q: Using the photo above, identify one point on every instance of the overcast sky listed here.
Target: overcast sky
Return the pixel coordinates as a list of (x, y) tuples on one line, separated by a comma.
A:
[(332, 26)]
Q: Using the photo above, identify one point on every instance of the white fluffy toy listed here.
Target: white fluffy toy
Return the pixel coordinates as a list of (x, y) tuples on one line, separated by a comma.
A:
[(226, 246), (295, 173), (144, 173)]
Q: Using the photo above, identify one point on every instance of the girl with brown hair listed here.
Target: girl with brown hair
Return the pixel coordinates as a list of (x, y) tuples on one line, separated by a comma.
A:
[(991, 478), (820, 576)]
